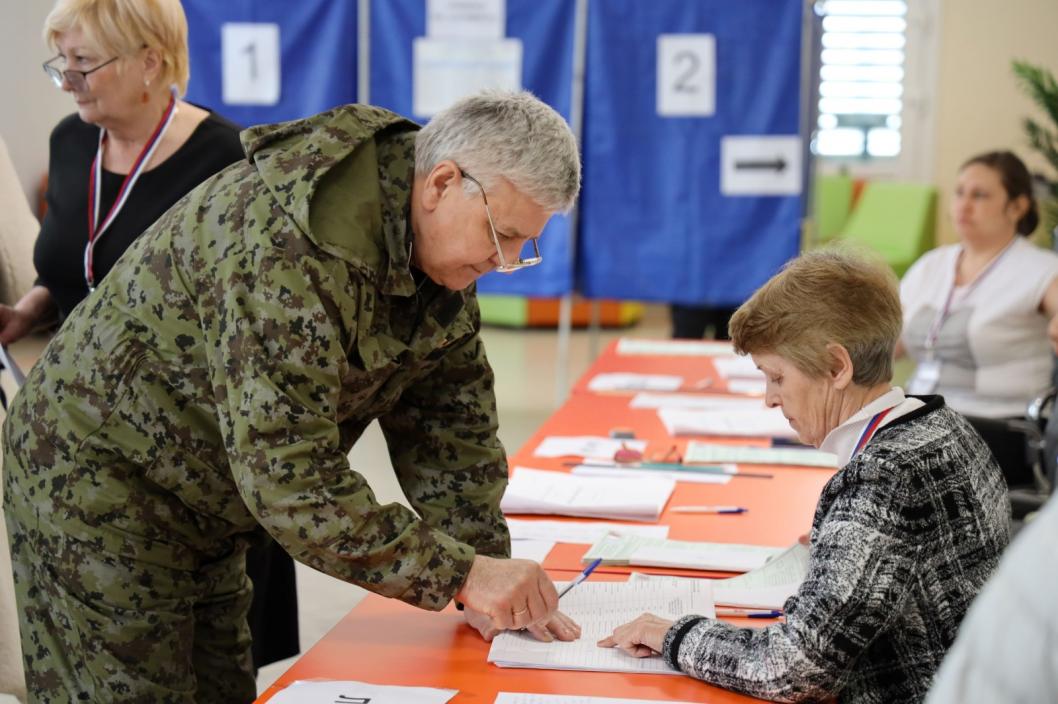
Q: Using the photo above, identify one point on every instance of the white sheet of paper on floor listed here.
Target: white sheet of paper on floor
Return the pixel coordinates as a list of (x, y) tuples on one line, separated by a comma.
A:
[(673, 348), (737, 367), (562, 494), (690, 477), (535, 550), (700, 402), (712, 453), (599, 607), (688, 554), (764, 422), (584, 446), (350, 692), (578, 531), (627, 381)]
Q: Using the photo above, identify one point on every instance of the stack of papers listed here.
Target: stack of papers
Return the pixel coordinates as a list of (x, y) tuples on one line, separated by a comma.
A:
[(766, 587), (599, 607), (674, 348), (652, 552), (634, 382), (698, 402), (558, 493), (762, 422), (736, 367), (320, 691), (709, 454), (722, 475), (578, 531), (585, 446)]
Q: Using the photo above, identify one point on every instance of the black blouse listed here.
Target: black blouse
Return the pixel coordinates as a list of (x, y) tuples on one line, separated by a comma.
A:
[(59, 252)]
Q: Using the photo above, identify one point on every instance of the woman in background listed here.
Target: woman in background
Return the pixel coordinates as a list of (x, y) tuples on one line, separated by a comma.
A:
[(132, 150)]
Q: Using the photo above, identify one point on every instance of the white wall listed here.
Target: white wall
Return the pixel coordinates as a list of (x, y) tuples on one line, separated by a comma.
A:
[(30, 104)]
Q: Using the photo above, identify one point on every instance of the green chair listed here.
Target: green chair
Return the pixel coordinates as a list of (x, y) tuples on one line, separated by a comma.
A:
[(832, 201), (895, 219)]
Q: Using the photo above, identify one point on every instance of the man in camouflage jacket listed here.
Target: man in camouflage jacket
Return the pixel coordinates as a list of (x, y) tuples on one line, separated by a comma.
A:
[(215, 383)]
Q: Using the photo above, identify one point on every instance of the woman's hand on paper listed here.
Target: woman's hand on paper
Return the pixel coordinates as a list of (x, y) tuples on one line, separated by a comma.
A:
[(640, 638), (513, 594), (560, 627)]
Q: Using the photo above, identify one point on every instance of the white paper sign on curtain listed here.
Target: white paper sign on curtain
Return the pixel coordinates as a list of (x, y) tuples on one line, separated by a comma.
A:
[(445, 70), (686, 75), (250, 69), (466, 19)]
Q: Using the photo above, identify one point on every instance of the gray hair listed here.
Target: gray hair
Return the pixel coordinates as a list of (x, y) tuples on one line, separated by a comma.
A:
[(499, 134)]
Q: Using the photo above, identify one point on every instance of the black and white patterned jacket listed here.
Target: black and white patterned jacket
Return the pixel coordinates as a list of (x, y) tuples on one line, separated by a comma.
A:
[(904, 537)]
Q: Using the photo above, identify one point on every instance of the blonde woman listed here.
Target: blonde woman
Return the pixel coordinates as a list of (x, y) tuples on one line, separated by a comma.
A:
[(904, 535)]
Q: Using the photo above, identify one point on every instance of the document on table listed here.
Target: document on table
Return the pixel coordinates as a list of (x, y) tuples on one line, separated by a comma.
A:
[(737, 367), (712, 453), (766, 587), (676, 475), (689, 554), (696, 402), (749, 387), (585, 446), (762, 422), (634, 382), (349, 692), (599, 607), (674, 348), (535, 550), (562, 494), (578, 531), (526, 698)]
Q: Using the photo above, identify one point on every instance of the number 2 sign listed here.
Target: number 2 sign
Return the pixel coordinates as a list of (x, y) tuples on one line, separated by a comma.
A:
[(686, 75)]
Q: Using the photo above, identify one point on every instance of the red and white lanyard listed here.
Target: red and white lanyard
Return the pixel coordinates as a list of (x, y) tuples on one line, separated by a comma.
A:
[(942, 314), (97, 228), (870, 430)]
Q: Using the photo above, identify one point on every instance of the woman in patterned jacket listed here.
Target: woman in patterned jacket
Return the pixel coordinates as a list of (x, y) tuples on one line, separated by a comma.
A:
[(905, 533)]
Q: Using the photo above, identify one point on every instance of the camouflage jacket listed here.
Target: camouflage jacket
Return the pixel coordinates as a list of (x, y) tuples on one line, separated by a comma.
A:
[(221, 373)]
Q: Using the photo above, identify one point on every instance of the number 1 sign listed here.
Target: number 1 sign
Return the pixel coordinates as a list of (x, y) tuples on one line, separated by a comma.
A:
[(686, 75), (250, 53)]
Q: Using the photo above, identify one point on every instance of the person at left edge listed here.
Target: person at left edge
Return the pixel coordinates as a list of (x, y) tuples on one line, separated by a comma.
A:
[(125, 64), (218, 377)]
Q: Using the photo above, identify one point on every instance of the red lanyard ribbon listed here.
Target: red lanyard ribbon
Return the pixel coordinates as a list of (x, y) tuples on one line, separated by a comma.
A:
[(870, 430), (95, 228)]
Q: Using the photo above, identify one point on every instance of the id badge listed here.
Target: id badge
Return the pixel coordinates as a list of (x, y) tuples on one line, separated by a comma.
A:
[(925, 378)]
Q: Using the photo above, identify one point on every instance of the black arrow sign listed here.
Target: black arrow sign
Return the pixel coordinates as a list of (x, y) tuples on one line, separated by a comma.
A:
[(779, 164)]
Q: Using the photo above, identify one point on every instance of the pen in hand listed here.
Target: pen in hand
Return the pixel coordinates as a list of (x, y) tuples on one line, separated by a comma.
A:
[(580, 577)]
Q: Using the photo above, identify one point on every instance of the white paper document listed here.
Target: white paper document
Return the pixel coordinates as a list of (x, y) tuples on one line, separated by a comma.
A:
[(736, 366), (349, 692), (762, 422), (712, 453), (525, 698), (9, 362), (599, 607), (585, 446), (577, 531), (445, 70), (699, 402), (689, 475), (674, 348), (747, 387), (622, 381), (766, 587), (562, 494), (466, 19), (535, 550), (688, 554)]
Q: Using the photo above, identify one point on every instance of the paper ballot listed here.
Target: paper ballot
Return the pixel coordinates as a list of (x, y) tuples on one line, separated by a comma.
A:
[(766, 587), (699, 402), (673, 348), (558, 493), (349, 692), (762, 422), (652, 552), (584, 446), (635, 382), (735, 367), (599, 607), (677, 475), (523, 698), (535, 550), (708, 453), (577, 531)]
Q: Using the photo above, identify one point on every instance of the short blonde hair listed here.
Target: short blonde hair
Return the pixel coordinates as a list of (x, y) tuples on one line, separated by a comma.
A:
[(823, 297), (123, 27)]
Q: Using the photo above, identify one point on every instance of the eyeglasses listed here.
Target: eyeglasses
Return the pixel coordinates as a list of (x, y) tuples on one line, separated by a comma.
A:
[(519, 263), (78, 80)]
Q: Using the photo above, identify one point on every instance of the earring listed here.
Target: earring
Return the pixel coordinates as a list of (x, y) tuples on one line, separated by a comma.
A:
[(145, 97)]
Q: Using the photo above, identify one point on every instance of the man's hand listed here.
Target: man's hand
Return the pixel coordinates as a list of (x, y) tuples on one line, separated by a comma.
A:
[(513, 594), (560, 626), (641, 638)]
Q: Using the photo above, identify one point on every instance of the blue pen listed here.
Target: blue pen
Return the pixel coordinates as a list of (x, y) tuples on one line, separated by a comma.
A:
[(748, 613), (580, 577), (708, 509)]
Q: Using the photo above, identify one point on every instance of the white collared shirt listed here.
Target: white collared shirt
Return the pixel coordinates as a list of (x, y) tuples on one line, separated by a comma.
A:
[(842, 440)]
